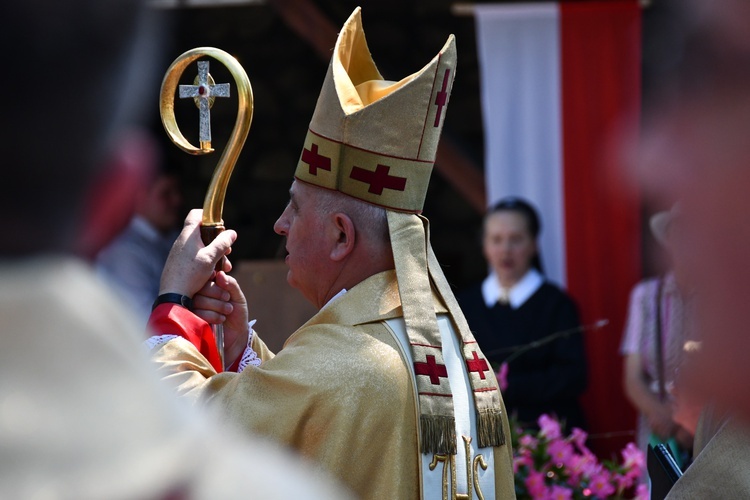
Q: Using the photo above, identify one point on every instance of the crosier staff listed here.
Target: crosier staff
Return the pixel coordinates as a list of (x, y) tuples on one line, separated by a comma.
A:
[(204, 91)]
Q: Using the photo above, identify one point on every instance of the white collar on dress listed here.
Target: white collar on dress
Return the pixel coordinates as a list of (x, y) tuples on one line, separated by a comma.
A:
[(518, 293)]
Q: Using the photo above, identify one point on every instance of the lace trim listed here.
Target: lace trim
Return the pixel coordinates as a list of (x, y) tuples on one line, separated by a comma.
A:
[(249, 357), (157, 340)]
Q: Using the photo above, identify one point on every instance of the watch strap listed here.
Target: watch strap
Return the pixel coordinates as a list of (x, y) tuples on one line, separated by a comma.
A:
[(173, 298)]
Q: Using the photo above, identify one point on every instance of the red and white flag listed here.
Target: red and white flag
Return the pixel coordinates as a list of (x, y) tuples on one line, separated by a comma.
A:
[(559, 80)]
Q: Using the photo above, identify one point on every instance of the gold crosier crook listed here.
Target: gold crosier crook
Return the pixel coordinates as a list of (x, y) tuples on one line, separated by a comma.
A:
[(213, 205)]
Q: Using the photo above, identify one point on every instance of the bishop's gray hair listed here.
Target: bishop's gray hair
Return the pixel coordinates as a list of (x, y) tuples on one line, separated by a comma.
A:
[(368, 219)]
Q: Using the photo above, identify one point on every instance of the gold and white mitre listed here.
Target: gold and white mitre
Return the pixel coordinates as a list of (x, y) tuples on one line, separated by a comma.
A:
[(373, 139), (376, 141)]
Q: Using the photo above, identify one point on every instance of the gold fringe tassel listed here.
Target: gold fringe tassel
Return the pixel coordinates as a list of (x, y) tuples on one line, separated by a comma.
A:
[(490, 428), (438, 434)]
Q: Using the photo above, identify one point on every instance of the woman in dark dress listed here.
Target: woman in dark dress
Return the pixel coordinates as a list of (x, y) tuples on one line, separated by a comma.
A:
[(515, 306)]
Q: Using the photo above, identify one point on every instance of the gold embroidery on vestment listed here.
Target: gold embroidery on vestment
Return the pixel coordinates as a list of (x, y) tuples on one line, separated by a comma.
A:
[(444, 459), (467, 454), (479, 462), (472, 473)]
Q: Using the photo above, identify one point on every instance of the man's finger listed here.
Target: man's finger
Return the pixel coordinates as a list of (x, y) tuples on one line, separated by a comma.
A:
[(218, 306), (231, 285), (222, 243), (212, 290), (194, 217), (227, 264), (210, 317)]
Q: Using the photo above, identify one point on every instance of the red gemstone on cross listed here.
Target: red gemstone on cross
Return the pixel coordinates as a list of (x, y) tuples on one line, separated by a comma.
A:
[(315, 160), (379, 179), (442, 97), (201, 90), (431, 369), (478, 365)]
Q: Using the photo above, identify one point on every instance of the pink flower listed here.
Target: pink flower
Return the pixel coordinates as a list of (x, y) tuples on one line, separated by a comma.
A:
[(600, 485), (560, 451), (548, 427), (578, 437), (642, 493), (589, 464), (522, 461), (623, 481), (632, 457), (502, 376), (535, 484), (574, 468), (558, 492), (527, 441)]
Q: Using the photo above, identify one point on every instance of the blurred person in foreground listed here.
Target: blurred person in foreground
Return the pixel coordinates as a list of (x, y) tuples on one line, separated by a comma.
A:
[(653, 344), (134, 260), (385, 386), (82, 414), (516, 306), (694, 149)]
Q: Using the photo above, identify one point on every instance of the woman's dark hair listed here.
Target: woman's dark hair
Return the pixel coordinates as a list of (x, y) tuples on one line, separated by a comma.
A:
[(529, 213)]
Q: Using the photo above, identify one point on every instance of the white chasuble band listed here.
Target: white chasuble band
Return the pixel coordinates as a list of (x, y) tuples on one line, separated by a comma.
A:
[(474, 470)]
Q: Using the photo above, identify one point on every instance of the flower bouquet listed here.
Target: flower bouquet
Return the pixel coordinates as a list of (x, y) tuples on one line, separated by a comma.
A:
[(550, 466)]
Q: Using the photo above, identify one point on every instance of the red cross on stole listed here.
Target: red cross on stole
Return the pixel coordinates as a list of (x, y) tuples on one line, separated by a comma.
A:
[(315, 160), (379, 179), (478, 365), (431, 369)]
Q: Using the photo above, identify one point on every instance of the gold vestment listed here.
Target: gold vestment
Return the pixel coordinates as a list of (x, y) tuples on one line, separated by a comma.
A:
[(339, 392)]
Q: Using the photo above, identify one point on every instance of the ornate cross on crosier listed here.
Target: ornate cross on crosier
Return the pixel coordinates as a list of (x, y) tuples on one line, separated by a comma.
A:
[(204, 92)]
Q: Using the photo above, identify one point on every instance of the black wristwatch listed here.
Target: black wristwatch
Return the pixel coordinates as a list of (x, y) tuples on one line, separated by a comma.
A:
[(173, 298)]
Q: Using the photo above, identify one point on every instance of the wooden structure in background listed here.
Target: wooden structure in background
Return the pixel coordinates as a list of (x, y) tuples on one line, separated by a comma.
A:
[(279, 308)]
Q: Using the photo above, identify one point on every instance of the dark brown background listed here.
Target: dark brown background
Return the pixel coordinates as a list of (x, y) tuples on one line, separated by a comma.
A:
[(286, 74)]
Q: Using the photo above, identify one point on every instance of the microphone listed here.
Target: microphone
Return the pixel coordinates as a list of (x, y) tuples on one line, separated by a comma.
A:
[(517, 350)]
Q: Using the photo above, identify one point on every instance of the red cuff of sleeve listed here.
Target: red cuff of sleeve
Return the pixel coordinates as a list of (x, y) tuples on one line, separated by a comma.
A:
[(173, 319)]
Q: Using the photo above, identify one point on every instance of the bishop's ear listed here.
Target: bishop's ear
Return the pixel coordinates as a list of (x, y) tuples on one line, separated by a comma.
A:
[(345, 236)]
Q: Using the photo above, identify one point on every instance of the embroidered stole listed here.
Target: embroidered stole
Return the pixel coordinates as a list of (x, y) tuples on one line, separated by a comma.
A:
[(437, 432)]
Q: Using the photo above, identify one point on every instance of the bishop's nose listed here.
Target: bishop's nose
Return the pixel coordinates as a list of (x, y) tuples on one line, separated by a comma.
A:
[(281, 226)]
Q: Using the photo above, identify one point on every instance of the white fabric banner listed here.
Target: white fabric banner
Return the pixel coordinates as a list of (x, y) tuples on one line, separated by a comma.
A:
[(519, 56)]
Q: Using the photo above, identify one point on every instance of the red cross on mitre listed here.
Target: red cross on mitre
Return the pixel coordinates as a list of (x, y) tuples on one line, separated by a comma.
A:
[(315, 160), (478, 365), (379, 179), (431, 369), (442, 97)]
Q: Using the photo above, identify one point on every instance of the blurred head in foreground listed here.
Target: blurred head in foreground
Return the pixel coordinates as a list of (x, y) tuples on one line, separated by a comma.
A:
[(72, 158), (82, 415), (694, 149)]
